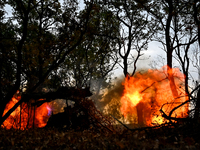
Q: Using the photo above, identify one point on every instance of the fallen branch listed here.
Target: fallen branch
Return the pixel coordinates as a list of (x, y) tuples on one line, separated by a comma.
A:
[(135, 129), (173, 118), (121, 123)]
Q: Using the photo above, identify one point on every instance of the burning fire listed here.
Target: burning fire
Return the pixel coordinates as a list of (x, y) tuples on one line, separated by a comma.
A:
[(145, 93), (26, 116)]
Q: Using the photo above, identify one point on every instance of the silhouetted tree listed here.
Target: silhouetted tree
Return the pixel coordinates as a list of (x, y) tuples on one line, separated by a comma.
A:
[(39, 47)]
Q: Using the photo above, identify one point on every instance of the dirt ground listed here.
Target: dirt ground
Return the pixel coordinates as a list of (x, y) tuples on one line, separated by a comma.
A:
[(41, 139)]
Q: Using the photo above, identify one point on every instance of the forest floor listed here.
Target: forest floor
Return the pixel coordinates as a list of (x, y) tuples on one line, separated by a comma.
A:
[(42, 139)]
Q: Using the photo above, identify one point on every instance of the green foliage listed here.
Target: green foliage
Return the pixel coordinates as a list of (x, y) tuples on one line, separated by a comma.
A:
[(7, 56), (136, 31), (46, 45), (95, 57), (30, 48)]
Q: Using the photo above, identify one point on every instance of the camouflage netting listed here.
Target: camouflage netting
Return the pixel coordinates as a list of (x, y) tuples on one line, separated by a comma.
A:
[(82, 115)]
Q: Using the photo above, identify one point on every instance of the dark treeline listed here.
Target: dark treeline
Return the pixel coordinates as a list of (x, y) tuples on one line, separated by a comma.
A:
[(46, 45)]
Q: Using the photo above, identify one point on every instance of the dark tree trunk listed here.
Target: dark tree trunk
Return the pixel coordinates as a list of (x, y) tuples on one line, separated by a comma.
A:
[(140, 113), (197, 107), (169, 46)]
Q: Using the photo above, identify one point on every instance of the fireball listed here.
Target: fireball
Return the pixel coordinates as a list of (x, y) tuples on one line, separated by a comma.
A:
[(26, 116), (145, 94)]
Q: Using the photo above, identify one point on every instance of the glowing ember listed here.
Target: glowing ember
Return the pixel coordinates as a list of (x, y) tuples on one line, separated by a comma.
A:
[(26, 116), (145, 93)]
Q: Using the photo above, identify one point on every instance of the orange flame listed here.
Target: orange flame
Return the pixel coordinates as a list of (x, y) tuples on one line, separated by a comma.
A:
[(26, 116), (145, 93)]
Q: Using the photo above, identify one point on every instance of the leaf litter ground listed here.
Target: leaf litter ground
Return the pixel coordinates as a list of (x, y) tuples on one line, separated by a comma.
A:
[(51, 138)]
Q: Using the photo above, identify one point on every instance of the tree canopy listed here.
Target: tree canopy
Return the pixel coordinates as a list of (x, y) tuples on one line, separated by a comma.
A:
[(49, 44)]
